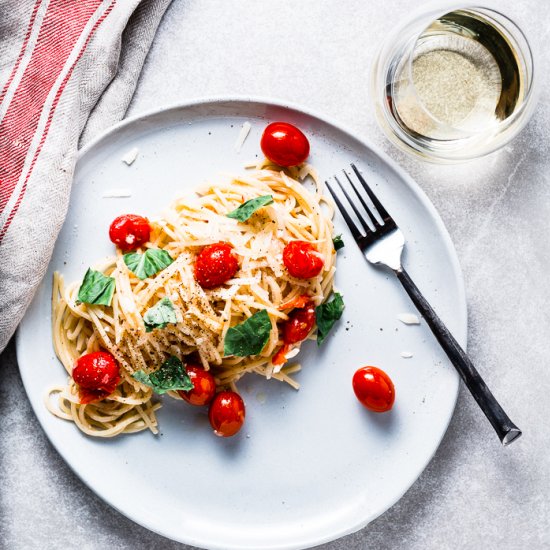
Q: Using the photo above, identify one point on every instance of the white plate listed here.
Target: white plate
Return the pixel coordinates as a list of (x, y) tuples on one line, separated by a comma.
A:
[(308, 466)]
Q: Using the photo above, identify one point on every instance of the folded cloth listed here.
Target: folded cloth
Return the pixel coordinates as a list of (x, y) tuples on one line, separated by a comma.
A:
[(68, 69)]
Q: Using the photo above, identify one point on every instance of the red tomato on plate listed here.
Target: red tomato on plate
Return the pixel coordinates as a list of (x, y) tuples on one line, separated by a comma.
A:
[(226, 413), (302, 259), (97, 375), (299, 324), (215, 265), (284, 144), (374, 389), (296, 328), (129, 231), (204, 386)]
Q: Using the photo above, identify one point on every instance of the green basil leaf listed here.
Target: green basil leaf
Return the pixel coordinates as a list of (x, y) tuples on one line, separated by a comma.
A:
[(160, 315), (149, 263), (248, 338), (243, 212), (326, 315), (338, 242), (170, 376), (96, 288)]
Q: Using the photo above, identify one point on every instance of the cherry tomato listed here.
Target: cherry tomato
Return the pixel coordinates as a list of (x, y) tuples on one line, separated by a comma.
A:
[(215, 264), (204, 386), (299, 324), (284, 144), (97, 375), (226, 413), (302, 259), (129, 231), (374, 389), (296, 328)]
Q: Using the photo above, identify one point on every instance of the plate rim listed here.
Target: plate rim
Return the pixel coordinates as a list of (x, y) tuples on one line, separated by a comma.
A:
[(461, 332)]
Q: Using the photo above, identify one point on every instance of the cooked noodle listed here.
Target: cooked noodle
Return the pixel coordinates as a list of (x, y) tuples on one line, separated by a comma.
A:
[(204, 316)]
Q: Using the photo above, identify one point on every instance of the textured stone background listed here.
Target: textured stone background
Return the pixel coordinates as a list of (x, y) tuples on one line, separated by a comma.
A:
[(317, 53)]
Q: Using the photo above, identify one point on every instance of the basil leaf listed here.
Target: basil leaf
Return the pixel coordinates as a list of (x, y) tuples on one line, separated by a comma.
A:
[(96, 289), (248, 338), (326, 315), (149, 263), (170, 376), (338, 242), (160, 315), (243, 212)]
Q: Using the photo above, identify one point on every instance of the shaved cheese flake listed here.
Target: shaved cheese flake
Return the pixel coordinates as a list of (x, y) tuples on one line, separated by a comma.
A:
[(127, 303), (130, 156), (409, 318), (245, 130), (117, 193), (406, 354)]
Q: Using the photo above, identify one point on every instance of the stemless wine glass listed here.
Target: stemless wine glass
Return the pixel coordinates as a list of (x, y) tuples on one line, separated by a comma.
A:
[(454, 82)]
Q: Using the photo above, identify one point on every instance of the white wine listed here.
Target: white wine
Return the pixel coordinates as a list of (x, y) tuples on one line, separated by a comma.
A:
[(463, 77)]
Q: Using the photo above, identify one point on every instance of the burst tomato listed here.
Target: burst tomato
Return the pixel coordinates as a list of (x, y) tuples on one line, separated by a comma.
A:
[(284, 144), (226, 413), (302, 259), (298, 301), (299, 324), (374, 389), (204, 386), (97, 375), (215, 265), (129, 231), (296, 328)]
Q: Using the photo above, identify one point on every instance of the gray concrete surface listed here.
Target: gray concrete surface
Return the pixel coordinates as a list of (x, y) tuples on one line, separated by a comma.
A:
[(474, 494)]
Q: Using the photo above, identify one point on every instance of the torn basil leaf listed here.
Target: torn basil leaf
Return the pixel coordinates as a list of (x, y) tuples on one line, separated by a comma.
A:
[(250, 337), (326, 315), (149, 263), (171, 376), (245, 210), (162, 313), (96, 289), (338, 242)]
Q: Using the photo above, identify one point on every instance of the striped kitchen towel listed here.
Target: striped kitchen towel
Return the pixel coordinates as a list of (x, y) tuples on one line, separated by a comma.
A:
[(68, 69)]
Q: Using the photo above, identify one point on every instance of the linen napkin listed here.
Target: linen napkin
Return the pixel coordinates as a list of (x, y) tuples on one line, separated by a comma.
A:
[(68, 69)]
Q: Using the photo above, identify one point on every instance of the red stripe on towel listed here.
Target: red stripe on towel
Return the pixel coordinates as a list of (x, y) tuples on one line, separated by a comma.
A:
[(61, 28), (50, 117), (23, 49)]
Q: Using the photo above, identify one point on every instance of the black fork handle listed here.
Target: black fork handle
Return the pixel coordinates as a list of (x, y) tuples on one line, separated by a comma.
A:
[(506, 430)]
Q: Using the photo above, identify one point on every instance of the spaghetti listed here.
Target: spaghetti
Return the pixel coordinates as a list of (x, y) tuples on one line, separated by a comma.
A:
[(203, 315)]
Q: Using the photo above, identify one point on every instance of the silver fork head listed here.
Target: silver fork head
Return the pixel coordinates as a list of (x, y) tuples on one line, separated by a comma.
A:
[(381, 242)]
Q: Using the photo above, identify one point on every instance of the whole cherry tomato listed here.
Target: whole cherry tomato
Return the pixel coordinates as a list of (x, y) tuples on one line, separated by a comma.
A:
[(215, 265), (299, 324), (129, 231), (374, 389), (97, 375), (302, 259), (226, 413), (284, 144), (204, 386)]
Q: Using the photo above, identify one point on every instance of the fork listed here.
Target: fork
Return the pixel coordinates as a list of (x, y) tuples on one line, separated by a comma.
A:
[(382, 244)]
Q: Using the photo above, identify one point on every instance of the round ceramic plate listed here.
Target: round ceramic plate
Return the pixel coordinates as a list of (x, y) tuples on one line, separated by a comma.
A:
[(310, 465)]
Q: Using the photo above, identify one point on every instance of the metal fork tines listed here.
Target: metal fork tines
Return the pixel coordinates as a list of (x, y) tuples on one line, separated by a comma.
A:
[(381, 241)]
